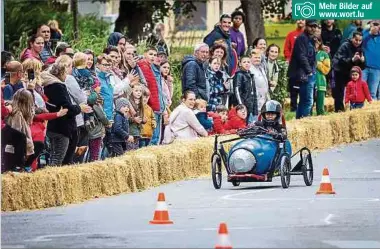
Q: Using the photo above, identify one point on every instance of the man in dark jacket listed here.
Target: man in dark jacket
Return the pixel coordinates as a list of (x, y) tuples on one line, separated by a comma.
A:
[(193, 72), (302, 68), (331, 36), (348, 55), (222, 32)]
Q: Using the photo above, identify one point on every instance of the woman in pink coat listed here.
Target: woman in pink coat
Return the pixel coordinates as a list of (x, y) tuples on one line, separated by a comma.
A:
[(183, 123)]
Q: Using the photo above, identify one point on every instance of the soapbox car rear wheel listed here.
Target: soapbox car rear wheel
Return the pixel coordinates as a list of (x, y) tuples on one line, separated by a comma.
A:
[(285, 171), (307, 167), (236, 183), (216, 171)]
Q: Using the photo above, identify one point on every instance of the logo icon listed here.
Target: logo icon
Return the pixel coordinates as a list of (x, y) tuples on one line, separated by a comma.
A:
[(305, 10)]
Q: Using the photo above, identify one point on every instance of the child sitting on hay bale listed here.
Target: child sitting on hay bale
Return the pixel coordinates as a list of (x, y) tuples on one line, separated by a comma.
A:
[(201, 114), (220, 118)]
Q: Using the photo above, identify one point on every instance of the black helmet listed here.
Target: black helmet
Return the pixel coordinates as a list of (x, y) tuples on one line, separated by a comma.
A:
[(272, 106)]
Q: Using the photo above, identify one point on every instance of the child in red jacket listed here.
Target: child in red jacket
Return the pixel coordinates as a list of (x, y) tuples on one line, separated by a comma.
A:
[(237, 117), (357, 90), (220, 118)]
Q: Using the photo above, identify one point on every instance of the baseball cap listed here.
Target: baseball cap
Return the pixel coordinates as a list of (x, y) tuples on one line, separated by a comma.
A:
[(311, 22)]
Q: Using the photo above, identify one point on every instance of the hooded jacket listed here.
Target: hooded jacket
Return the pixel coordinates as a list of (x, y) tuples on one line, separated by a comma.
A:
[(219, 127), (217, 34), (114, 38), (194, 77), (331, 38), (58, 97), (107, 93), (357, 91), (234, 121)]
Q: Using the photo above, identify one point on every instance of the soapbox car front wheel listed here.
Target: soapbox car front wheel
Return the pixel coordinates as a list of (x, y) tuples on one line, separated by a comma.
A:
[(285, 171), (216, 171), (236, 183), (307, 167)]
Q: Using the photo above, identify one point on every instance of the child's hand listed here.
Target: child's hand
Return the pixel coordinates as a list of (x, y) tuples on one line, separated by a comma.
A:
[(62, 112), (170, 78), (131, 139), (85, 108), (370, 102), (144, 120), (137, 120), (166, 119)]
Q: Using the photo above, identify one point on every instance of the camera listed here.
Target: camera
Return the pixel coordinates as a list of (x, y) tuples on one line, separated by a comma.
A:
[(304, 10), (30, 74)]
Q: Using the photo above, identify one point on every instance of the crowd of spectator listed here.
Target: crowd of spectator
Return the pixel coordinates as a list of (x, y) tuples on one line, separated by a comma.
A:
[(61, 106)]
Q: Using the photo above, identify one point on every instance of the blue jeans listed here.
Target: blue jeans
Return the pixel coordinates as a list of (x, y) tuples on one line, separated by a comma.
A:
[(144, 142), (356, 105), (306, 97), (372, 77), (156, 138)]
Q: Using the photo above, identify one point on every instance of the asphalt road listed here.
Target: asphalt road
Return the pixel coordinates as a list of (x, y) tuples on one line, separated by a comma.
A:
[(257, 215)]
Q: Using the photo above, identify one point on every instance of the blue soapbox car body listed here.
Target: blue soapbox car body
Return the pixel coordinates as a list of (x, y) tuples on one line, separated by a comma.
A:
[(258, 157)]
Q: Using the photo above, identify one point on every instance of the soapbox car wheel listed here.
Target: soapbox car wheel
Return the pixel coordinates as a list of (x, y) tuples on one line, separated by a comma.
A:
[(307, 167), (285, 171), (216, 171), (236, 183)]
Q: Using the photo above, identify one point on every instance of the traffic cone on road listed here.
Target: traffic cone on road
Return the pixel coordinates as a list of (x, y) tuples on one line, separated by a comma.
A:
[(223, 239), (161, 214), (325, 186)]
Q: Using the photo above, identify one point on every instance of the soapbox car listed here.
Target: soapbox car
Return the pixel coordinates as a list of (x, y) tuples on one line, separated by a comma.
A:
[(258, 157)]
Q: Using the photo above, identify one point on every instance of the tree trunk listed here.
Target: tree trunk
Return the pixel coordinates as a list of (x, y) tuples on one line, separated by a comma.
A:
[(74, 11), (220, 7), (254, 23), (132, 19)]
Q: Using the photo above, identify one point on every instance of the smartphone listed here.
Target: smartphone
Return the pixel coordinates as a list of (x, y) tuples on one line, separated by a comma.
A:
[(7, 78), (30, 74)]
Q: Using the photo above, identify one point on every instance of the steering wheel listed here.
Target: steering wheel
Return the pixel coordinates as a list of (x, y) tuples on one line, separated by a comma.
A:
[(252, 131)]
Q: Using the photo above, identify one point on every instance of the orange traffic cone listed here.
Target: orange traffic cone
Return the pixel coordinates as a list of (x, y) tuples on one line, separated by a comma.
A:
[(223, 239), (161, 214), (325, 186)]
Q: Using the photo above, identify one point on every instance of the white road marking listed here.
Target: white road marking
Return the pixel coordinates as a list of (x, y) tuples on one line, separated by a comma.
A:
[(375, 199), (377, 171), (328, 218), (353, 243), (229, 197)]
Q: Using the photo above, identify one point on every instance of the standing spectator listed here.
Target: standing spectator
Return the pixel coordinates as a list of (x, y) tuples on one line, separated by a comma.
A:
[(323, 68), (222, 31), (120, 128), (157, 39), (104, 65), (130, 64), (237, 37), (167, 84), (150, 124), (193, 72), (44, 32), (290, 40), (118, 40), (137, 118), (35, 47), (183, 123), (371, 49), (331, 36), (62, 49), (357, 90), (96, 131), (220, 51), (261, 81), (21, 118), (6, 57), (261, 45), (245, 88), (15, 71), (302, 68), (217, 84), (348, 55), (33, 68), (60, 130), (272, 54), (350, 29), (55, 32)]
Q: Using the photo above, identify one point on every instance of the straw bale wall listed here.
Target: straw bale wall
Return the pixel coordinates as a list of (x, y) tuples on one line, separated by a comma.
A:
[(152, 166)]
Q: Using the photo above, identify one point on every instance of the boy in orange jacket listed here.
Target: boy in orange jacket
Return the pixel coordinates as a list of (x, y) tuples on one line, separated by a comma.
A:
[(150, 121)]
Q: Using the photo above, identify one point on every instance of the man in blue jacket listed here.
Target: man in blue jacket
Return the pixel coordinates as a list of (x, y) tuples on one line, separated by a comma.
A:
[(193, 72), (371, 49), (302, 68)]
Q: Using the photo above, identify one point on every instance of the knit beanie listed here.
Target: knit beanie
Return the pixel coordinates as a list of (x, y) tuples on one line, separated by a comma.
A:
[(120, 103)]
